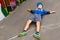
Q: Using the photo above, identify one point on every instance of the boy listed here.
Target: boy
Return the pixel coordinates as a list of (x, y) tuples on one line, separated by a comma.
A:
[(36, 17)]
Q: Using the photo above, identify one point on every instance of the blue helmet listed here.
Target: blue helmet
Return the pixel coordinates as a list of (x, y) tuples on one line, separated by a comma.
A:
[(39, 3)]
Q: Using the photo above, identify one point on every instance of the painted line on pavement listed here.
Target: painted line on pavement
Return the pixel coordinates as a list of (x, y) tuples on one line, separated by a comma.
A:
[(13, 37)]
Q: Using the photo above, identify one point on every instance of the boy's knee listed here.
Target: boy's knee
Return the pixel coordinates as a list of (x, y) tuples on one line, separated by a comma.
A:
[(38, 21), (29, 21)]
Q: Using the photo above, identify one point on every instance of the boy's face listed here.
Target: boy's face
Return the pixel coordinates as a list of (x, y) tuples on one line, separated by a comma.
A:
[(40, 6)]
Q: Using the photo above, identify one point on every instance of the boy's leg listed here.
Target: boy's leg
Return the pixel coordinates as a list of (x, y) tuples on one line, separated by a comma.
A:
[(27, 25), (25, 29), (38, 26), (37, 34)]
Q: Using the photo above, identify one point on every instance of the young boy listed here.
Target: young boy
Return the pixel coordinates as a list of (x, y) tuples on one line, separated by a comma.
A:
[(36, 17)]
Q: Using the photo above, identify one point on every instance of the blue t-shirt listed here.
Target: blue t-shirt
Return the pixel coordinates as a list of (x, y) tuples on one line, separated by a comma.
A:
[(39, 11)]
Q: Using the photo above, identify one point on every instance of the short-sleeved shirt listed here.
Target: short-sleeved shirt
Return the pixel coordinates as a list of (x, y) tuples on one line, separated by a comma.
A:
[(39, 11)]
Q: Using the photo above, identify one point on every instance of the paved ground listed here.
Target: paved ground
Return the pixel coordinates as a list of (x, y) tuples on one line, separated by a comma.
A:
[(13, 24)]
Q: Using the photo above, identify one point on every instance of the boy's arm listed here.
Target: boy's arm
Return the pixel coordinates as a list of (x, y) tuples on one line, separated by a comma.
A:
[(50, 12), (29, 10)]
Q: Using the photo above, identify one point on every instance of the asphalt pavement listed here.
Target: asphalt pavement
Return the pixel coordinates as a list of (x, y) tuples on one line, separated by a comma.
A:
[(14, 23)]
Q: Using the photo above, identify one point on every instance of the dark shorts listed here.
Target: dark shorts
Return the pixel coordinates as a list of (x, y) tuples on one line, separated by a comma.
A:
[(35, 17)]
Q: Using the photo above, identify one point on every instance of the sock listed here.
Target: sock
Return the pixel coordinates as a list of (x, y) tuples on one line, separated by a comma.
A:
[(24, 31), (37, 33)]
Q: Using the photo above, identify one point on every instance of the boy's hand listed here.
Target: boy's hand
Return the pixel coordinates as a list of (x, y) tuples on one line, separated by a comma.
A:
[(29, 10), (52, 11)]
